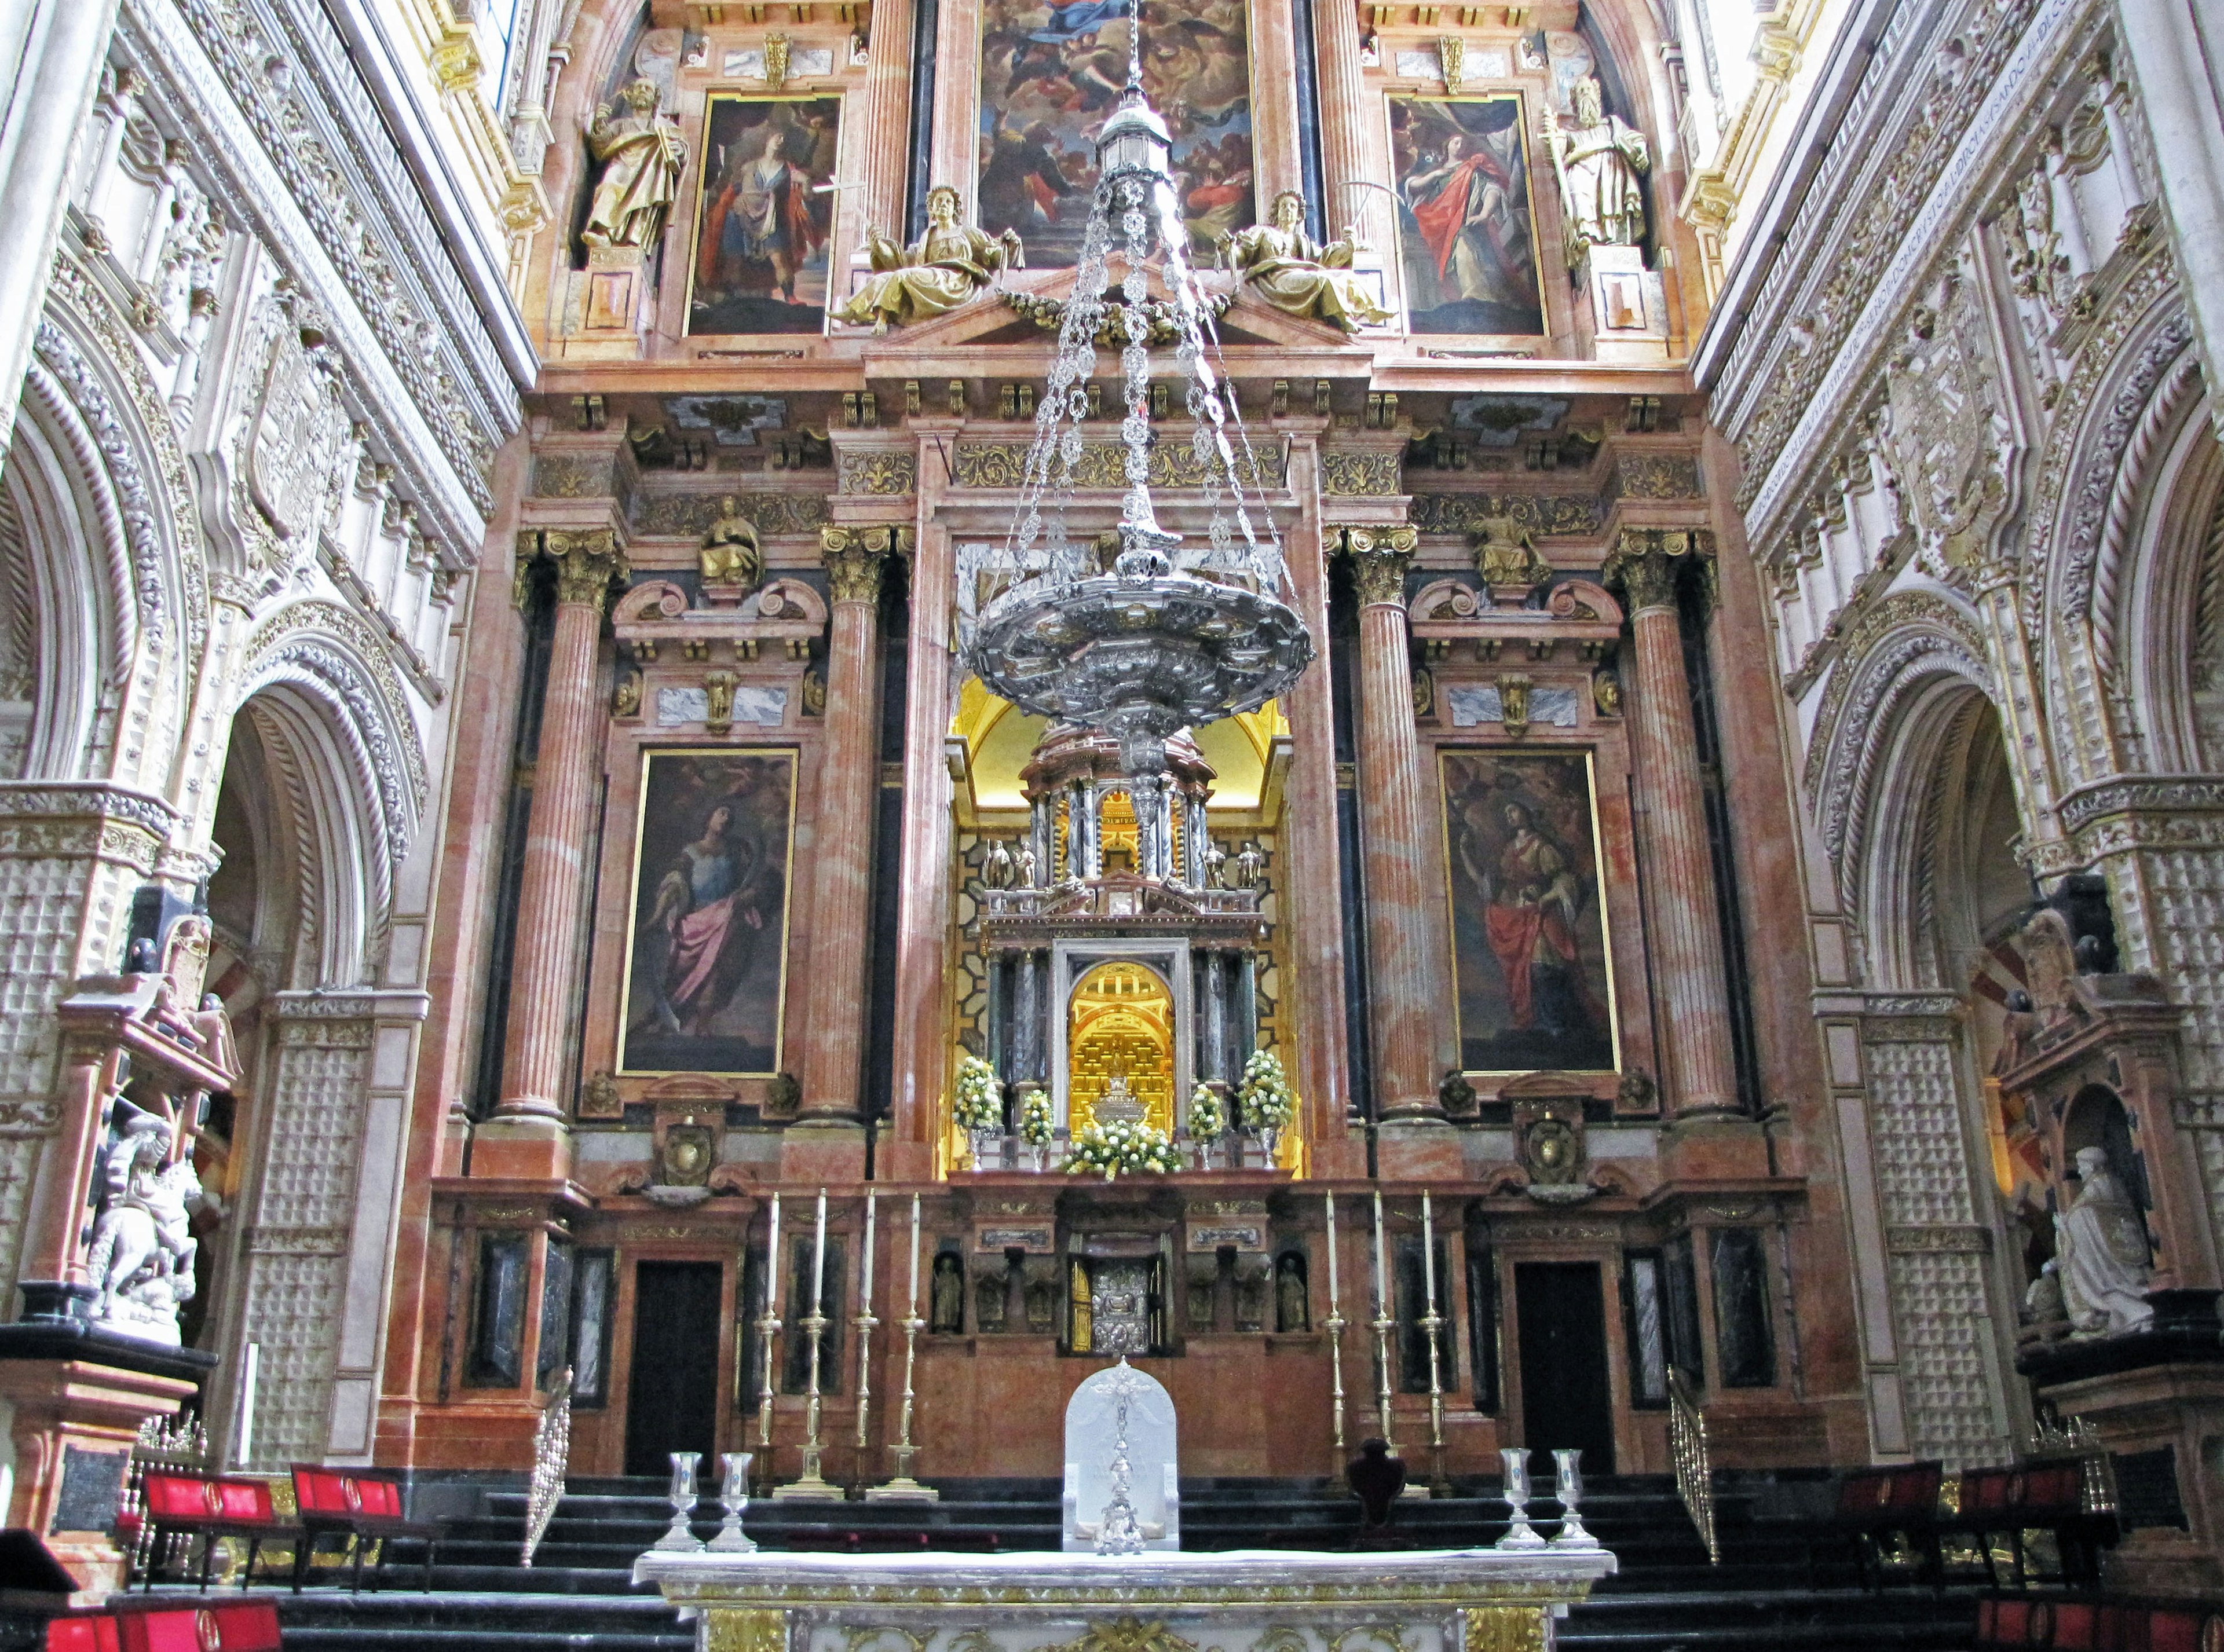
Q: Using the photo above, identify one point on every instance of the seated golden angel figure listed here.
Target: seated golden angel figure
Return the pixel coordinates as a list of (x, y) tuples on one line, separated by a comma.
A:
[(936, 274), (1299, 275)]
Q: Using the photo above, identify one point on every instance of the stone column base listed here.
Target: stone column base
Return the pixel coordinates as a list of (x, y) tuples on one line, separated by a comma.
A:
[(75, 1425), (524, 1146), (822, 1150), (1418, 1150), (2163, 1417)]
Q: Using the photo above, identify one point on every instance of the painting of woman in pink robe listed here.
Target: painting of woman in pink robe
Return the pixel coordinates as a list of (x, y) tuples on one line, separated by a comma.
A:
[(707, 971), (1529, 945)]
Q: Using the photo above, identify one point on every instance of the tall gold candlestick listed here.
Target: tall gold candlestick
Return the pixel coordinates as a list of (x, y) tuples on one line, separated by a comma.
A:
[(811, 1485), (902, 1488), (865, 1322), (1384, 1319), (1334, 1326), (1432, 1322), (767, 1334)]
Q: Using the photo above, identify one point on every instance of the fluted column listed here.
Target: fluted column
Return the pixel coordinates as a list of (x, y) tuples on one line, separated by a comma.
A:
[(1343, 99), (553, 879), (1401, 959), (848, 796), (1684, 938)]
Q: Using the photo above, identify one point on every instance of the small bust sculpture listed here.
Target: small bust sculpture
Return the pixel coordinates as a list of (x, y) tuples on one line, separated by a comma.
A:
[(641, 155), (2101, 1241), (1299, 276), (1508, 560), (944, 267), (1601, 164), (731, 556), (1606, 694)]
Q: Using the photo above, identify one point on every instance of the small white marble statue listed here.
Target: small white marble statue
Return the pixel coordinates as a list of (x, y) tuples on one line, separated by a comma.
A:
[(2101, 1243), (1153, 1486), (142, 1255)]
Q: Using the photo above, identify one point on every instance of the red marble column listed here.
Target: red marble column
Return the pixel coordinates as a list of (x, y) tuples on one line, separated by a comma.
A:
[(554, 880), (1402, 958), (1343, 144), (1311, 875), (849, 789), (1685, 936)]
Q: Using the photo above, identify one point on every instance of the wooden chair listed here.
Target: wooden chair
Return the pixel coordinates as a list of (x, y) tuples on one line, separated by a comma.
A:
[(364, 1505)]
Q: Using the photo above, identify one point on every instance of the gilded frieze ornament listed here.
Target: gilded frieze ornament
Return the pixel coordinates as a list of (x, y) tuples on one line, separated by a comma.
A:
[(947, 265)]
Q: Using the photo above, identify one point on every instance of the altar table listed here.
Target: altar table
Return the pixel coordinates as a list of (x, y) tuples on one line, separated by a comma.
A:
[(1249, 1600)]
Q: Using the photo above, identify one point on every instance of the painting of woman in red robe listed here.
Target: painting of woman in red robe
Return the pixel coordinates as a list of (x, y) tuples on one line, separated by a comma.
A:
[(1528, 936), (706, 976), (760, 242), (1467, 242)]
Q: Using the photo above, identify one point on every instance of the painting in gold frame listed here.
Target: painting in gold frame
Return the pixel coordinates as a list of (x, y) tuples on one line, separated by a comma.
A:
[(1532, 967), (706, 966), (1467, 221)]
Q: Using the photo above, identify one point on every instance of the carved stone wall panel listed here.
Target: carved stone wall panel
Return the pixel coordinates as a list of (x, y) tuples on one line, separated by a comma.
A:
[(293, 1267)]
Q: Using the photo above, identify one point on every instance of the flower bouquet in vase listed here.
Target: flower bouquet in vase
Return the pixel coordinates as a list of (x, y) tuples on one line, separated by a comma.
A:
[(977, 1106), (1037, 1126), (1208, 1122), (1265, 1102), (1107, 1148)]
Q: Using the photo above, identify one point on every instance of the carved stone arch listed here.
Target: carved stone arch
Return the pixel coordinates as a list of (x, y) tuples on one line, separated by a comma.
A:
[(2136, 384), (347, 758), (2159, 616), (91, 363), (1889, 655)]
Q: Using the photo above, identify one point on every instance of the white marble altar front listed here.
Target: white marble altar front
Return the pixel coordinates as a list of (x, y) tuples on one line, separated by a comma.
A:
[(1246, 1600)]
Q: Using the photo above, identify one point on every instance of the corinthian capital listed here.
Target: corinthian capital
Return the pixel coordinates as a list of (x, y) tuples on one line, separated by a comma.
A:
[(854, 557), (1647, 562), (587, 563), (1380, 557)]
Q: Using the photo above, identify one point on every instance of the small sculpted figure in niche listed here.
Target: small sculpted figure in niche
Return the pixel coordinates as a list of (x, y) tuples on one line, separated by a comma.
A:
[(999, 870), (731, 556), (1602, 164), (1292, 1310), (1250, 867), (641, 155), (937, 273), (2101, 1241), (1508, 558), (946, 1296), (1299, 275)]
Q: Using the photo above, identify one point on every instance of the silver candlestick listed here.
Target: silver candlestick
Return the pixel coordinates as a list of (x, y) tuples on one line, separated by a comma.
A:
[(1569, 1491), (683, 1505), (1334, 1326), (767, 1336), (1520, 1534), (733, 1498), (865, 1323), (1433, 1323), (1383, 1323), (811, 1485)]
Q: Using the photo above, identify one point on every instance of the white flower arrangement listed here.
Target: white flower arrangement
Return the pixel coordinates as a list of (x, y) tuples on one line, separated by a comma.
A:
[(1207, 1118), (1109, 1148), (1264, 1099), (978, 1103), (1037, 1126)]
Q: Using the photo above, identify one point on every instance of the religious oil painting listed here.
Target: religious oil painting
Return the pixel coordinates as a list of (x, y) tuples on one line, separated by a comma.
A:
[(1529, 939), (1467, 236), (763, 225), (706, 972), (1049, 74)]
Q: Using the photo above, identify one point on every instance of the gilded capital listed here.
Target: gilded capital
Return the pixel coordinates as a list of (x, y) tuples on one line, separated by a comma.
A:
[(587, 563), (854, 557), (1647, 562), (1380, 557)]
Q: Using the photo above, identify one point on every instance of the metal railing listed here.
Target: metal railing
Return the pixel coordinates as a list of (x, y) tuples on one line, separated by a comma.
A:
[(1687, 1446), (552, 1456)]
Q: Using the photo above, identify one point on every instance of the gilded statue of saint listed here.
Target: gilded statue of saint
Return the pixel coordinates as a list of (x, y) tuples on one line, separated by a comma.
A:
[(730, 554), (1298, 275), (1602, 164), (937, 273), (1506, 557), (641, 155)]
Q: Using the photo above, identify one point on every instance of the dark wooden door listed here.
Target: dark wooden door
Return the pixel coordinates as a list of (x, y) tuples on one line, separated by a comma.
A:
[(1565, 1398), (672, 1402)]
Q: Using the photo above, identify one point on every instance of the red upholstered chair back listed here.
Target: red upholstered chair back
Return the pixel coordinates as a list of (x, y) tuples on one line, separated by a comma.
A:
[(218, 1626), (321, 1491), (381, 1496), (88, 1633)]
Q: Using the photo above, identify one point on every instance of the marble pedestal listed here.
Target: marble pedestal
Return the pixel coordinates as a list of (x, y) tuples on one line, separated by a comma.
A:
[(1250, 1600)]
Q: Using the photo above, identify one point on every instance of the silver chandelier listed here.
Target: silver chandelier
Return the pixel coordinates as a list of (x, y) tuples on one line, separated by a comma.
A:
[(1179, 632)]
